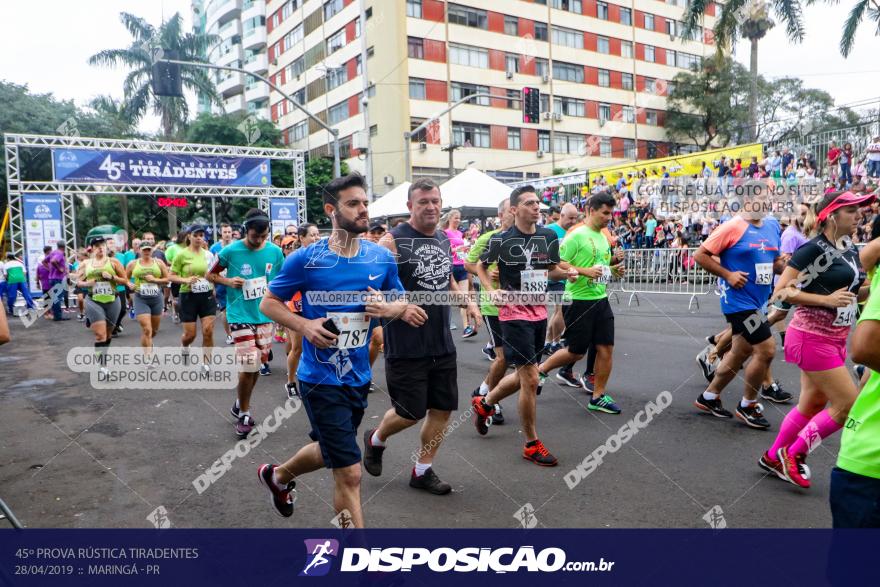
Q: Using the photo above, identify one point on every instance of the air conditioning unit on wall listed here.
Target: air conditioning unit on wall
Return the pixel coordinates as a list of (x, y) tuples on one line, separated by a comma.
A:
[(540, 154)]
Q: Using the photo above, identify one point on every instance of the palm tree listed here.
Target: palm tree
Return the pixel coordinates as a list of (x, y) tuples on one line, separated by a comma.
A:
[(748, 19), (148, 42)]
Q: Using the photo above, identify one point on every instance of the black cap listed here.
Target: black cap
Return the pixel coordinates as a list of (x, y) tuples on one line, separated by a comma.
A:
[(376, 226)]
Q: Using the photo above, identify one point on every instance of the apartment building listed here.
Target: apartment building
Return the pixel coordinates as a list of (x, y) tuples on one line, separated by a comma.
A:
[(603, 69), (241, 27)]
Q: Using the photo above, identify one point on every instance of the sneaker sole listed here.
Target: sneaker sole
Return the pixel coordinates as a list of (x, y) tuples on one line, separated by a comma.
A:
[(531, 460), (567, 382), (431, 491), (775, 400), (707, 374), (750, 424), (703, 408), (470, 335), (603, 410), (770, 469), (271, 495)]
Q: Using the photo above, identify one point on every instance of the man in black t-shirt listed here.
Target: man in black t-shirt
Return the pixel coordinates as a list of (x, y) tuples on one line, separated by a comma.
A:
[(420, 362), (527, 256)]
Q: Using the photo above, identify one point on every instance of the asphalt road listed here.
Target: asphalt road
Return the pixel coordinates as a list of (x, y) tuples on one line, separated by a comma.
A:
[(73, 456)]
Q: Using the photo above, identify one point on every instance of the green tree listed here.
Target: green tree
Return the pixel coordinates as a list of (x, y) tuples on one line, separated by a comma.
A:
[(319, 172), (148, 43), (706, 107)]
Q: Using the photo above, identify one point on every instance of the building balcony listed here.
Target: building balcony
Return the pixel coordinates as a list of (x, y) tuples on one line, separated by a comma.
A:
[(254, 38), (236, 103), (253, 9), (233, 57), (230, 29), (220, 11), (233, 83), (256, 92), (257, 64)]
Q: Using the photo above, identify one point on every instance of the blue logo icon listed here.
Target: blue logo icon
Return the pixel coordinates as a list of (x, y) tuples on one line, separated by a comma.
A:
[(320, 554)]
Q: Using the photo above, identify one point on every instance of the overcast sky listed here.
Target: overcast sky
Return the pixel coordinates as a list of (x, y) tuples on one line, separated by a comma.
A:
[(46, 44)]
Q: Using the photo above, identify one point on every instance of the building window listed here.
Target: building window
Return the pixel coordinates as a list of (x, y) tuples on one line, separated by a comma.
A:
[(336, 76), (605, 147), (544, 140), (511, 63), (568, 72), (570, 5), (629, 114), (300, 131), (416, 48), (416, 88), (649, 53), (568, 37), (338, 113), (629, 149), (298, 96), (626, 16), (568, 143), (414, 8), (649, 85), (626, 81), (686, 61), (358, 69), (514, 99), (542, 67), (605, 112), (649, 22), (544, 103), (460, 91), (288, 9), (652, 149), (374, 130), (466, 55), (470, 135), (422, 135), (332, 8), (602, 10), (513, 139), (466, 16), (603, 45), (604, 78), (336, 42), (541, 31), (295, 69), (626, 49), (651, 117), (511, 25), (569, 106), (293, 37)]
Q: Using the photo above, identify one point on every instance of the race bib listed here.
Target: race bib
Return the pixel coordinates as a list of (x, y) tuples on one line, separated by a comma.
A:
[(605, 278), (353, 329), (763, 273), (846, 316), (200, 286), (533, 280), (149, 290), (102, 288), (254, 289)]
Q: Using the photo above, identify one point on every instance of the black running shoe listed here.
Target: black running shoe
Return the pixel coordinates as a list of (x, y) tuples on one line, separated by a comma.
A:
[(291, 390), (707, 367), (282, 499), (372, 455), (235, 410), (775, 393), (568, 378), (430, 482), (752, 416), (265, 369), (713, 406), (489, 353), (498, 416)]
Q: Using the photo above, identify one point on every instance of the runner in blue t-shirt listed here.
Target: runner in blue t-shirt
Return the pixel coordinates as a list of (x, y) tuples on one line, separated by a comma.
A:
[(747, 247), (334, 371)]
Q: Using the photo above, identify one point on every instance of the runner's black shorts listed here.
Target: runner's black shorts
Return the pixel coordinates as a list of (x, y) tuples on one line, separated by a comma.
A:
[(175, 290), (197, 305), (419, 385), (335, 412), (752, 325), (493, 325), (523, 341), (588, 323)]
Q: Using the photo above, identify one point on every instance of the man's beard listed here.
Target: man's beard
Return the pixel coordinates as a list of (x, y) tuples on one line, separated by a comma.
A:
[(351, 226)]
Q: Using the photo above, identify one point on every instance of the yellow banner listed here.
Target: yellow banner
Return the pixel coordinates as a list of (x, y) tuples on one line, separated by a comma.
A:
[(680, 165)]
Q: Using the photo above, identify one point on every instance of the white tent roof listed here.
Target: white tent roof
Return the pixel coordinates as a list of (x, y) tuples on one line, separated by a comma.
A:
[(391, 204), (473, 189)]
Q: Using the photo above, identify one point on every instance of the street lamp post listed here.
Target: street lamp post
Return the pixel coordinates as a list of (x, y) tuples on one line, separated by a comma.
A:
[(407, 136), (333, 131)]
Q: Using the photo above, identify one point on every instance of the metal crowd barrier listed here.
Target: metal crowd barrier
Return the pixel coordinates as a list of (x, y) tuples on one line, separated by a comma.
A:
[(665, 271)]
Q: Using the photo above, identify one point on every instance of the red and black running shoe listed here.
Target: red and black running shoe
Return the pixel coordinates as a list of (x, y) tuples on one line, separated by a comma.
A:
[(536, 452)]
